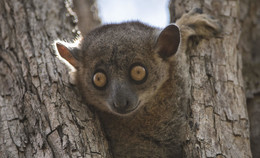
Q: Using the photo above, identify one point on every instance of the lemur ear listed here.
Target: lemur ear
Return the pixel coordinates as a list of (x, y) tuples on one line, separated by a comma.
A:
[(168, 41), (67, 53)]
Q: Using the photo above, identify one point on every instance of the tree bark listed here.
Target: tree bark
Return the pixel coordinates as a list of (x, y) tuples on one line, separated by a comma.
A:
[(41, 114), (218, 119), (249, 46), (87, 18)]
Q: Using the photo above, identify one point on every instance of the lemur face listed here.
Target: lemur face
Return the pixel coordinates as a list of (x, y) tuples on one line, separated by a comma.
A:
[(121, 66)]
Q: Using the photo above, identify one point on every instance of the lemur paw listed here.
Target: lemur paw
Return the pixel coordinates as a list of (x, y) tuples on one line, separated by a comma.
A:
[(196, 10), (195, 23)]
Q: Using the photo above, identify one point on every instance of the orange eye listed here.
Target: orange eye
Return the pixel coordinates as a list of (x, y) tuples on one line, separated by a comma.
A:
[(138, 73), (99, 79)]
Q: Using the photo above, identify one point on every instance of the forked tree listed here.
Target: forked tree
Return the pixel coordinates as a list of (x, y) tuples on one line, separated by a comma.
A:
[(42, 115)]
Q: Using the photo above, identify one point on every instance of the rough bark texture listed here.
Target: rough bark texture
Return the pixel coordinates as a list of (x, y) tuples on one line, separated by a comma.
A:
[(40, 112), (249, 46), (218, 119)]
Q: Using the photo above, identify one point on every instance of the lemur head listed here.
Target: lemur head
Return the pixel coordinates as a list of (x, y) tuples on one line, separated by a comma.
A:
[(121, 66)]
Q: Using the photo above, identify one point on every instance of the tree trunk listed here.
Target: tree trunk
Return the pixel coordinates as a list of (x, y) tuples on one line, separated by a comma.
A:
[(218, 119), (87, 18), (249, 46), (41, 114)]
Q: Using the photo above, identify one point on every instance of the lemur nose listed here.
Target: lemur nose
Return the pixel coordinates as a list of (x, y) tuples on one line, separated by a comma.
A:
[(121, 104), (124, 103), (122, 99)]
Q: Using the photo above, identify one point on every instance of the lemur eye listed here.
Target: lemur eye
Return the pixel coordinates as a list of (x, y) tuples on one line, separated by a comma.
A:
[(138, 73), (99, 79)]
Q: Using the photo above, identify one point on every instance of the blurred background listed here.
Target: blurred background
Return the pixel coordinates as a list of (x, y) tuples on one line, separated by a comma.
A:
[(155, 14)]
